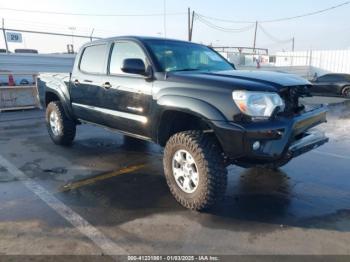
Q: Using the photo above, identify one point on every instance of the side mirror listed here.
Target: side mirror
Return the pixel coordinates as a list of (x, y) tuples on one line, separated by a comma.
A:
[(134, 66)]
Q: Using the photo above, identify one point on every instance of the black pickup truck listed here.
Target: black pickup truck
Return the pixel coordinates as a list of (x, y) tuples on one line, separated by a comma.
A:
[(187, 98)]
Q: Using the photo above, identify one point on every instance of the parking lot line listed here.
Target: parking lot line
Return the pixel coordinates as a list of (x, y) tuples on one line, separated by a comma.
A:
[(331, 154), (89, 181), (96, 236)]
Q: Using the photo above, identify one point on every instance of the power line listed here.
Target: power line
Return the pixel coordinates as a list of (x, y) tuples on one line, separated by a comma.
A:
[(25, 23), (90, 14), (223, 29), (225, 20), (280, 19), (275, 39), (35, 25), (307, 14)]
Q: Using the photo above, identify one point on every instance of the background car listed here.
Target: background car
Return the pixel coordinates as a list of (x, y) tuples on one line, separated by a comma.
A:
[(26, 51), (332, 84)]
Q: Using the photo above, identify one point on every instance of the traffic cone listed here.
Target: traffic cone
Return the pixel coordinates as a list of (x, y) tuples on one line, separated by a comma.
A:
[(11, 80)]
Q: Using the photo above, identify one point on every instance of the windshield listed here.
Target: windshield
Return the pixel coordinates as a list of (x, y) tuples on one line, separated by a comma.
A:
[(181, 56)]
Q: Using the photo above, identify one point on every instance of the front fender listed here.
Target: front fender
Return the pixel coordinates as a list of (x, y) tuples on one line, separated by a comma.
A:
[(191, 105)]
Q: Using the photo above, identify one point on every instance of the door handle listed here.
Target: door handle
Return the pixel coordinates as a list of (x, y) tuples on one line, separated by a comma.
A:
[(107, 85)]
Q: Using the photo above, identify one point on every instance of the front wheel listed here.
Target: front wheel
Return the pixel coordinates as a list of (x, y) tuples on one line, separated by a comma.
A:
[(61, 129), (195, 169), (346, 92)]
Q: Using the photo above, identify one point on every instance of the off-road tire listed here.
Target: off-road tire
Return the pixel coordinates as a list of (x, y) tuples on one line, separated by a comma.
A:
[(211, 169), (67, 128)]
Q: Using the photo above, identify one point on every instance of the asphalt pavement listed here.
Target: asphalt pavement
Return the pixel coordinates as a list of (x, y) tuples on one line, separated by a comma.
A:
[(107, 195)]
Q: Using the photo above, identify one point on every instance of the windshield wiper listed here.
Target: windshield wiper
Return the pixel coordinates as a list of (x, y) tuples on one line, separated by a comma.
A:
[(181, 70), (184, 70)]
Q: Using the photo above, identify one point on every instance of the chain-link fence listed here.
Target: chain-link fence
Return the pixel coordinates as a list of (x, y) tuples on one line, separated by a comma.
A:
[(308, 64), (19, 36)]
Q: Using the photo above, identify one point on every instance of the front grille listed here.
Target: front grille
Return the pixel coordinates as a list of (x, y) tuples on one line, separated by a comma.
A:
[(291, 96)]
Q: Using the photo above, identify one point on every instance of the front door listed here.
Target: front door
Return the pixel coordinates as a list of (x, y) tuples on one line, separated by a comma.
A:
[(127, 97)]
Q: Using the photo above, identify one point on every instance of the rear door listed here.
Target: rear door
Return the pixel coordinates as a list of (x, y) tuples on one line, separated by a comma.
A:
[(87, 81)]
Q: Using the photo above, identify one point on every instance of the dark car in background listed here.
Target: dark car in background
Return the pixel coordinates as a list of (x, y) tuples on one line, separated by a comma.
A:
[(332, 84), (26, 51)]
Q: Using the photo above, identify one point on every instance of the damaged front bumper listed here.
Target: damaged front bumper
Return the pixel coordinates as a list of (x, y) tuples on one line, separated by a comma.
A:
[(271, 141), (309, 142)]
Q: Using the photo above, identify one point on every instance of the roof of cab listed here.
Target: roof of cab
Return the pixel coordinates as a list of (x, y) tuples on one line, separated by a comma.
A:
[(139, 38)]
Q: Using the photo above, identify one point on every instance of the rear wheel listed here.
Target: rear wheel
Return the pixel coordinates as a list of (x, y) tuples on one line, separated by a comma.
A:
[(61, 129), (195, 170), (346, 91)]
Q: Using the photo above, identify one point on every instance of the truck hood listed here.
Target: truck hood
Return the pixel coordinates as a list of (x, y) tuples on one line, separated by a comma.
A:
[(249, 80)]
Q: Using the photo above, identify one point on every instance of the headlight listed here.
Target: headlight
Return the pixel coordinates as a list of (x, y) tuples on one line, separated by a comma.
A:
[(257, 104)]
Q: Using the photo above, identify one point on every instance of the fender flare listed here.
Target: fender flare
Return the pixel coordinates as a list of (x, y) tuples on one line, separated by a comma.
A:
[(64, 101), (191, 105)]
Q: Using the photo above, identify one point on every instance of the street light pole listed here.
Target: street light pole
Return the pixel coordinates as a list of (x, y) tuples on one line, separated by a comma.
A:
[(72, 28)]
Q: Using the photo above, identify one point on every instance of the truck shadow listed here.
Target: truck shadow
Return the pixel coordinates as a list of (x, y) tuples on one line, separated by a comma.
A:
[(257, 194)]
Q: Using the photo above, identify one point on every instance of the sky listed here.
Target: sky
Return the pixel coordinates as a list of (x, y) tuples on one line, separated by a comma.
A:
[(329, 30)]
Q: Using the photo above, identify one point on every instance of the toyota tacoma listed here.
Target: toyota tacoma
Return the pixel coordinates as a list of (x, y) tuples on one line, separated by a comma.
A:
[(190, 100)]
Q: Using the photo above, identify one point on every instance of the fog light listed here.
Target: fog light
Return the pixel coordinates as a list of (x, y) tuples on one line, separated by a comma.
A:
[(256, 146)]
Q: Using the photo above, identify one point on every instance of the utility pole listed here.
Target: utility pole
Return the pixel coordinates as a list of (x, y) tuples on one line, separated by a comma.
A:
[(5, 39), (189, 23), (293, 44), (255, 32), (191, 27), (92, 32)]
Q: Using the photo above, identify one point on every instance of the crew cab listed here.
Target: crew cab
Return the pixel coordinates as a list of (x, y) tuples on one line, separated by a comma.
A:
[(187, 98)]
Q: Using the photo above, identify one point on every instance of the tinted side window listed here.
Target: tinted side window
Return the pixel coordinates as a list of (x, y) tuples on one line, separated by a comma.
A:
[(341, 78), (325, 78), (122, 51), (93, 59), (335, 78), (332, 78)]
